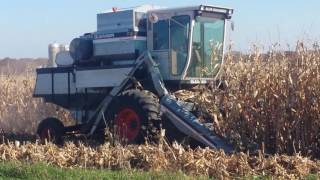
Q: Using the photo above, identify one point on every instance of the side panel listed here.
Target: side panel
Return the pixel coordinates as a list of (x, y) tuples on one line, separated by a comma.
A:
[(54, 83), (119, 48), (43, 84), (60, 83), (101, 77), (58, 86)]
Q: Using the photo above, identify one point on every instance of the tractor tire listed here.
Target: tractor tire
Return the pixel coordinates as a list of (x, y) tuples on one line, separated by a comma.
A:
[(136, 117), (52, 130)]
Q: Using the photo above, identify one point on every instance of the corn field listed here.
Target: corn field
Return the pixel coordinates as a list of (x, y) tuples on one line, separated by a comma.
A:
[(20, 112), (270, 102)]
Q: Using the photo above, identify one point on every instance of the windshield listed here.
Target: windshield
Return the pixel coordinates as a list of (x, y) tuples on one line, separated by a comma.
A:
[(207, 47)]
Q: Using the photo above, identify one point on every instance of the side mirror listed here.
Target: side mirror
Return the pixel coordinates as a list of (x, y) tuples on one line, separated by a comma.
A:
[(232, 25)]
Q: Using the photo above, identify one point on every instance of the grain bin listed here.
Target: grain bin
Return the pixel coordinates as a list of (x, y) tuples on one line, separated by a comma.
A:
[(64, 47), (54, 49)]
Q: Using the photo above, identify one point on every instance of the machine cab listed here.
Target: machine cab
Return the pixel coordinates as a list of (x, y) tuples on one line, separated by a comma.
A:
[(188, 43)]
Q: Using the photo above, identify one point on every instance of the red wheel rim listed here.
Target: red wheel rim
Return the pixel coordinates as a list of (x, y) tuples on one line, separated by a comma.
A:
[(128, 124), (47, 133)]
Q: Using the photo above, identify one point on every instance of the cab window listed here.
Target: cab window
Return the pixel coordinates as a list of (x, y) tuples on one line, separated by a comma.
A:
[(161, 35), (179, 36)]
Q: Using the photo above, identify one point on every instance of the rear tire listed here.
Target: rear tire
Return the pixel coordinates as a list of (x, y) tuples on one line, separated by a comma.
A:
[(51, 129), (136, 117)]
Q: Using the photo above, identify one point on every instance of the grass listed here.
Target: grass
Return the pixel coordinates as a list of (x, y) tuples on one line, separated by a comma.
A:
[(14, 170), (17, 170), (312, 177)]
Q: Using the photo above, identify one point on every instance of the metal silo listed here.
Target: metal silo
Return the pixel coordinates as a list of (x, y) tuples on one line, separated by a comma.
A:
[(64, 47), (54, 49)]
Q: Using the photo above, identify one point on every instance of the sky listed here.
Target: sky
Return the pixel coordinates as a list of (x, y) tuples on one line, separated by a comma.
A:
[(28, 26)]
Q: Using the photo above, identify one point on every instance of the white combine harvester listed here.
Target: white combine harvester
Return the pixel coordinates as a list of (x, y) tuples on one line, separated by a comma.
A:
[(123, 76)]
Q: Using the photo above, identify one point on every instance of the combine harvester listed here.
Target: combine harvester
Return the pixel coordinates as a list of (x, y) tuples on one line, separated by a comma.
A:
[(124, 75)]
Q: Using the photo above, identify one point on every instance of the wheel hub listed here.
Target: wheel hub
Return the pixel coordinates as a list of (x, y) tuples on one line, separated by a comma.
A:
[(133, 124), (127, 124)]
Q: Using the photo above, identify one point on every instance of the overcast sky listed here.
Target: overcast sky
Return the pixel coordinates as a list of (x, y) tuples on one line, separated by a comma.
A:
[(28, 26)]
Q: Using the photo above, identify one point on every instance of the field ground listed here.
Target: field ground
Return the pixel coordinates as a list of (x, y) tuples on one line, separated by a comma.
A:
[(11, 170)]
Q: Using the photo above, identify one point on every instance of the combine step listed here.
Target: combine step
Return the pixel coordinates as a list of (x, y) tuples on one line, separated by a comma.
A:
[(189, 124)]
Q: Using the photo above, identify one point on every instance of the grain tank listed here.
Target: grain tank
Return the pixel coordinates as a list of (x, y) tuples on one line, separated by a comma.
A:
[(120, 39)]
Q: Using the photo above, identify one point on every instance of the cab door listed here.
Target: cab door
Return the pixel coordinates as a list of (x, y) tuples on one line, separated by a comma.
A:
[(179, 43), (169, 41), (159, 44)]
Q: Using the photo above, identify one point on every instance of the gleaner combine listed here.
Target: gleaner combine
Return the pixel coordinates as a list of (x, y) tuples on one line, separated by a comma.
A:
[(124, 75)]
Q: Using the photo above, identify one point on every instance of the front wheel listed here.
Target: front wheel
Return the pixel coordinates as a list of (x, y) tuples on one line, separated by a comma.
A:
[(136, 117)]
